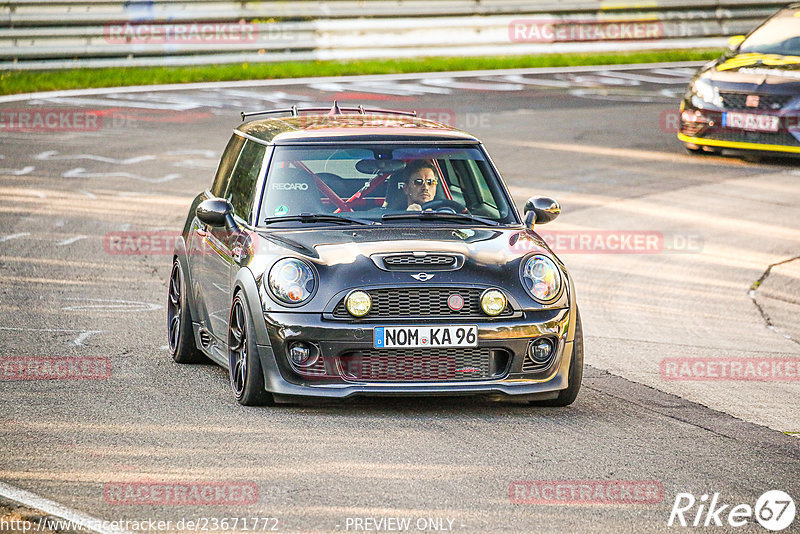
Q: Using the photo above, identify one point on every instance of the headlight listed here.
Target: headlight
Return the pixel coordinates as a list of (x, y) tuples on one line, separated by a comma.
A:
[(493, 302), (706, 92), (541, 278), (358, 303), (292, 281)]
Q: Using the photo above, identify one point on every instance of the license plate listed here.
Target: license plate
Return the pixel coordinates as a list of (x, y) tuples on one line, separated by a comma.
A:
[(751, 121), (393, 337)]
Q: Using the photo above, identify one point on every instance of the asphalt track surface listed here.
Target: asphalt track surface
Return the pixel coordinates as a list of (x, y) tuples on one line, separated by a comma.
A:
[(601, 141)]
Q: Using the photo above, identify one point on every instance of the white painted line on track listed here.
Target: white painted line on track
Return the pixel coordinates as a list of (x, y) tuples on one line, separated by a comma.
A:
[(78, 519), (111, 305), (13, 236), (80, 172), (83, 335), (70, 241), (19, 172), (54, 155), (647, 79), (324, 79), (627, 153)]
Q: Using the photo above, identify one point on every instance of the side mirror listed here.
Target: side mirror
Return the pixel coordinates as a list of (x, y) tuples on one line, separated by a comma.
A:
[(735, 41), (216, 212), (540, 210)]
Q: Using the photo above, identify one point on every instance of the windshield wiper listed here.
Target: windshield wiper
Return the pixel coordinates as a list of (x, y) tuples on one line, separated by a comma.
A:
[(439, 215), (317, 217)]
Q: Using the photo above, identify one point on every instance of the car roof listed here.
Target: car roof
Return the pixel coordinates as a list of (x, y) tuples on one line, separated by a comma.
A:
[(351, 128)]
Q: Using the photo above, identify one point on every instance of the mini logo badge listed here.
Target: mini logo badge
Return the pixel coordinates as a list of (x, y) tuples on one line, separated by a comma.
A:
[(422, 277), (455, 302), (752, 101)]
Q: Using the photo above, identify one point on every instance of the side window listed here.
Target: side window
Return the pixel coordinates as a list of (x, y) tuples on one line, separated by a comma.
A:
[(453, 180), (242, 184), (226, 164)]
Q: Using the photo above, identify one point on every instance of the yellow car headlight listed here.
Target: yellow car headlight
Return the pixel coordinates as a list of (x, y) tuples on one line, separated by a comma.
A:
[(358, 303), (493, 302)]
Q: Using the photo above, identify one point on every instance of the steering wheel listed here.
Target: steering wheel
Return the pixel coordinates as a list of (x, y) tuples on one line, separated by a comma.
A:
[(444, 205)]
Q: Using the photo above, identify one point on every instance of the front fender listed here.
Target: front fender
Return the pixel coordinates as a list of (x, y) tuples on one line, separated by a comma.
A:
[(246, 283), (180, 254)]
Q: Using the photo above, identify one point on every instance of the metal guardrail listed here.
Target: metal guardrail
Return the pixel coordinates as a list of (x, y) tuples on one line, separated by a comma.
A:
[(37, 34)]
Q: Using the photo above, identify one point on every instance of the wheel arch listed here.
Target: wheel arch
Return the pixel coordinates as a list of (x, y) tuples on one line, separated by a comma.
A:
[(245, 283), (182, 256)]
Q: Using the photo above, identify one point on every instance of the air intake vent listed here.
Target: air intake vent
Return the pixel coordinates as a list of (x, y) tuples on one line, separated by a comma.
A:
[(393, 303), (424, 364), (413, 261), (205, 338)]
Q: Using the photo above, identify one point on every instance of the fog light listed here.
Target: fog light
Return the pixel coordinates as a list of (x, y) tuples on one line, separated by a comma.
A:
[(540, 350), (302, 355), (493, 302), (358, 303)]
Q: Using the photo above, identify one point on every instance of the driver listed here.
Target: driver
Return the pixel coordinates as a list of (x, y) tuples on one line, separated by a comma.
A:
[(421, 184)]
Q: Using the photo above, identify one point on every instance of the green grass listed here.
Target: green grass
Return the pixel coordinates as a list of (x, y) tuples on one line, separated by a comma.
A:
[(12, 82)]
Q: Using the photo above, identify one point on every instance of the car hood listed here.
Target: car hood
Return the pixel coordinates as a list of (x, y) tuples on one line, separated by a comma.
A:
[(751, 72), (343, 259), (338, 246)]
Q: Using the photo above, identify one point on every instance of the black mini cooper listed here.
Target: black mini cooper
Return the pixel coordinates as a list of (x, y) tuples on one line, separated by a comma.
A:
[(368, 252)]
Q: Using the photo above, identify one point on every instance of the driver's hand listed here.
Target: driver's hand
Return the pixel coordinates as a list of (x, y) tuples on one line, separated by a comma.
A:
[(414, 207)]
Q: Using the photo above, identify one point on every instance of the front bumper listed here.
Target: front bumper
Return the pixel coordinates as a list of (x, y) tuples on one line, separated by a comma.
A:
[(704, 128), (505, 342)]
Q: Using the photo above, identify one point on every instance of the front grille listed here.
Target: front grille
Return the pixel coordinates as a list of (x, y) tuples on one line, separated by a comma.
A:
[(409, 302), (765, 102), (404, 261), (692, 129), (767, 138), (424, 364)]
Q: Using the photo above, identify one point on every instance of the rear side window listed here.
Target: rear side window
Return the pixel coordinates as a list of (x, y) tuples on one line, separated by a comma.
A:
[(226, 165), (243, 180)]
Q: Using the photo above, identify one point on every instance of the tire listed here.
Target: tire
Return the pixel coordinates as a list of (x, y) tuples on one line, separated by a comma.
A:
[(180, 335), (247, 377), (693, 149), (568, 396)]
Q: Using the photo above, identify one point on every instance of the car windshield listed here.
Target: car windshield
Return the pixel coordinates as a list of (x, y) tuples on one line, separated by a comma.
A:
[(383, 184), (779, 35)]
